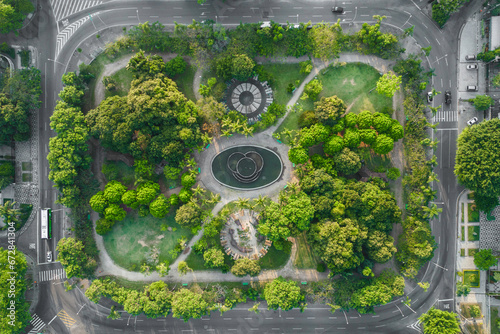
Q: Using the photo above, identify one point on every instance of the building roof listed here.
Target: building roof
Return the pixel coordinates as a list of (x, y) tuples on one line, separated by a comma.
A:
[(495, 32)]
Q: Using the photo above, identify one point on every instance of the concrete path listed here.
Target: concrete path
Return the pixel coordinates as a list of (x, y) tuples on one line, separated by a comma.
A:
[(206, 180)]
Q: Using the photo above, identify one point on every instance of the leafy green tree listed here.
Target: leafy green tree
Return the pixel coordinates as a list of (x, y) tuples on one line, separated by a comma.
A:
[(436, 321), (171, 173), (383, 144), (144, 170), (245, 266), (333, 145), (242, 66), (312, 90), (388, 84), (185, 195), (288, 218), (72, 256), (339, 244), (483, 102), (380, 246), (113, 191), (9, 213), (211, 110), (424, 285), (381, 290), (188, 180), (7, 173), (214, 258), (103, 226), (368, 136), (432, 211), (393, 173), (352, 138), (365, 119), (175, 66), (159, 207), (381, 122), (298, 155), (13, 13), (188, 305), (114, 212), (282, 294), (189, 215), (326, 40), (146, 65), (146, 192), (375, 41), (476, 160), (98, 202), (14, 311), (129, 198), (71, 95), (347, 162), (328, 110), (14, 123), (163, 268), (183, 268), (396, 131), (484, 259)]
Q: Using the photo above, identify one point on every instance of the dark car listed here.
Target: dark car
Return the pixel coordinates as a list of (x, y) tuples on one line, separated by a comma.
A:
[(338, 10), (447, 97)]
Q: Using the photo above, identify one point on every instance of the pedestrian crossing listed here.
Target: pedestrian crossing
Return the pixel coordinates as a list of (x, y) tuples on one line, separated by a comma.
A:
[(50, 275), (445, 116), (64, 35), (66, 319), (65, 8), (37, 324)]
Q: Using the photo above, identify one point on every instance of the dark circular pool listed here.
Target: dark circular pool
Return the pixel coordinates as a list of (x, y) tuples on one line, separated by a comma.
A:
[(247, 167)]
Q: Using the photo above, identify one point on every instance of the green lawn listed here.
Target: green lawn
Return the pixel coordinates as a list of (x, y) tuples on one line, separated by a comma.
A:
[(27, 177), (274, 259), (126, 174), (472, 251), (26, 166), (473, 233), (305, 258), (462, 251), (123, 78), (462, 218), (184, 82), (352, 83), (473, 213), (131, 239), (494, 318), (283, 75), (471, 278), (375, 162), (196, 262), (462, 228)]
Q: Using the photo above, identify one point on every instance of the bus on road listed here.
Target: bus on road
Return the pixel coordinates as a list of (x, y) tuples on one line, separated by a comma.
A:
[(46, 226)]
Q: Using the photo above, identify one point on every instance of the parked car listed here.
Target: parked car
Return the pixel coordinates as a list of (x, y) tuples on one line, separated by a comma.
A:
[(266, 24), (429, 97), (472, 67), (49, 256), (472, 88), (470, 57), (447, 97), (472, 121), (338, 10)]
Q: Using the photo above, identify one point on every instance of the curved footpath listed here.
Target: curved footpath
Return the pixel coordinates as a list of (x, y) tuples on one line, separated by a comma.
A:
[(108, 267)]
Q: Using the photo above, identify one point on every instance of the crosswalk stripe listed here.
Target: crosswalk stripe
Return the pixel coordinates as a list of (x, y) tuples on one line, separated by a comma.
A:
[(65, 8), (49, 275), (445, 116), (37, 324)]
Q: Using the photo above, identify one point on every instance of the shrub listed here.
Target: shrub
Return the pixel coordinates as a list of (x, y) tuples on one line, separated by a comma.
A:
[(393, 173), (321, 267), (439, 15)]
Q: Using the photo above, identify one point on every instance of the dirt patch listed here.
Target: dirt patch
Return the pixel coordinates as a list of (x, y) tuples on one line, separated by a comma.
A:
[(353, 83), (160, 237), (143, 243)]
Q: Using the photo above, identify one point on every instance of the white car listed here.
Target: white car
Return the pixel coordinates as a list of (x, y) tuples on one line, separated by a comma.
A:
[(470, 57), (472, 121), (49, 256), (430, 97), (472, 67)]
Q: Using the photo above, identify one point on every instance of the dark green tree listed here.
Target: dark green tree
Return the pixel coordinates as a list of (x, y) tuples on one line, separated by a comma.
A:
[(436, 321), (245, 266), (282, 294), (484, 259)]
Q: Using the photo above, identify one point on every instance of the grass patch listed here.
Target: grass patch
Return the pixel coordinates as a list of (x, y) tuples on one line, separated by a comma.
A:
[(135, 285), (473, 233), (196, 261), (470, 195), (124, 173), (27, 166), (472, 251), (306, 259), (352, 83), (283, 75), (27, 177), (462, 228), (185, 80), (25, 56), (491, 277), (462, 251), (274, 259), (472, 278), (476, 328), (131, 239), (472, 213), (123, 78), (494, 321), (375, 162), (462, 218)]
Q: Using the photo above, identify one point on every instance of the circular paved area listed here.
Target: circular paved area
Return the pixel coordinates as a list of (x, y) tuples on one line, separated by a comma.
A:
[(250, 97)]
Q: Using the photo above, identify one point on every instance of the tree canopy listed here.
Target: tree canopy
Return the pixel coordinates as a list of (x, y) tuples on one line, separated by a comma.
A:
[(436, 321), (484, 259), (75, 261), (282, 294), (187, 304), (388, 84), (477, 159)]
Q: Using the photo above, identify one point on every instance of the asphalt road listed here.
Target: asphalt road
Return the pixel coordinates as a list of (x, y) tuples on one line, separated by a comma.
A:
[(391, 318)]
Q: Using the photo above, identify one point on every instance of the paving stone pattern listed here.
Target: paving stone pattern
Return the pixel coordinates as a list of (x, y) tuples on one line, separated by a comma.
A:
[(489, 236)]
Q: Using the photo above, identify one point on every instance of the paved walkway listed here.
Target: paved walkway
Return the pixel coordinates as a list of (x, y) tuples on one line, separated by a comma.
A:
[(206, 180)]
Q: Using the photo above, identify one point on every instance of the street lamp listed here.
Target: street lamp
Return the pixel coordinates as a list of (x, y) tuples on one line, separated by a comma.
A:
[(55, 61), (297, 18)]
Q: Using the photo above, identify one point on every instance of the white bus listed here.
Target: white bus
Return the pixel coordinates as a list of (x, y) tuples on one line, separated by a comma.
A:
[(46, 225)]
